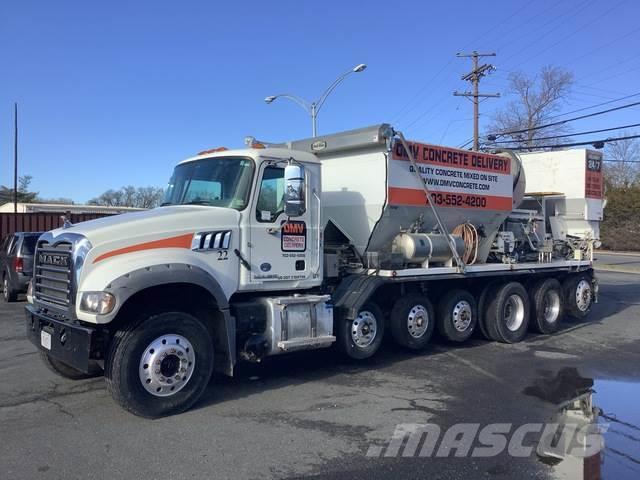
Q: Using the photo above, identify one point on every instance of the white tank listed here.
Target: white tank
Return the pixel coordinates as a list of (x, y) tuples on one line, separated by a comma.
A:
[(370, 192)]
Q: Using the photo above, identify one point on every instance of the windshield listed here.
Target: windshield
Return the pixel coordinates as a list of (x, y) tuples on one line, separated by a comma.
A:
[(219, 182)]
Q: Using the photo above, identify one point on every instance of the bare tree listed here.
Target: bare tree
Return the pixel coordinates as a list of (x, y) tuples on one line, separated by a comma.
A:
[(538, 98), (129, 196), (623, 170)]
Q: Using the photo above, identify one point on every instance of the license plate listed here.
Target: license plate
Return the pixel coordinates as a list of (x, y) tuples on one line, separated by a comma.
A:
[(45, 339)]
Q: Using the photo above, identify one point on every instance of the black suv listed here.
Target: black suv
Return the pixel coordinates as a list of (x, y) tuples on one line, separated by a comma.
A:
[(16, 261)]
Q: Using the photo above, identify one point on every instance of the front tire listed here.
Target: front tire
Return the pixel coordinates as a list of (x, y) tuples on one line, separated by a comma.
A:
[(361, 337), (160, 365), (412, 321)]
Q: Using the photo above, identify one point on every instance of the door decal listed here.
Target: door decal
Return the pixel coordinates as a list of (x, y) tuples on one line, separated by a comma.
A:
[(294, 236)]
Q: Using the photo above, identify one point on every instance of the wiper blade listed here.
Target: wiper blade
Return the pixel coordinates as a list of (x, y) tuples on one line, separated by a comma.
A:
[(198, 202)]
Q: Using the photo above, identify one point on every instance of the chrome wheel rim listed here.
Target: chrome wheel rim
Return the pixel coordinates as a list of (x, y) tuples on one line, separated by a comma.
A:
[(364, 329), (551, 306), (462, 315), (166, 365), (418, 321), (583, 295), (514, 312)]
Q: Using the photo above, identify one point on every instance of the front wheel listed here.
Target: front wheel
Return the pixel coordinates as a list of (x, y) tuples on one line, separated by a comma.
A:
[(161, 365), (361, 337)]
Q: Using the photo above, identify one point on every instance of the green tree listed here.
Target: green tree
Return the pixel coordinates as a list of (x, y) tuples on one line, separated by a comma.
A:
[(24, 193)]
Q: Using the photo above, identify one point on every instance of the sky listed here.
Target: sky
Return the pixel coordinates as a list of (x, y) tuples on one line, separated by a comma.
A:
[(116, 93)]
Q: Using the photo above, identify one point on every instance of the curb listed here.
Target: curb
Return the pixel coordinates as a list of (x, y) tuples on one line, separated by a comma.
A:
[(617, 268)]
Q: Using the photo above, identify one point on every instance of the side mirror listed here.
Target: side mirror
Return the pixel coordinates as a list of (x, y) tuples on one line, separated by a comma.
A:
[(294, 195)]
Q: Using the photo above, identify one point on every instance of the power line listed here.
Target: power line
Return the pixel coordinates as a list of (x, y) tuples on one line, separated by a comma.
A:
[(540, 127), (406, 109), (573, 134), (578, 144), (474, 76)]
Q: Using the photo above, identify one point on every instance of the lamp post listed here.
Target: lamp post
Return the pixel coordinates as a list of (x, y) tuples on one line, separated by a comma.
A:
[(313, 108)]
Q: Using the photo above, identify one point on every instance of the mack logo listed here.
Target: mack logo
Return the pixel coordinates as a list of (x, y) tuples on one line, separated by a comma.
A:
[(318, 145), (53, 259)]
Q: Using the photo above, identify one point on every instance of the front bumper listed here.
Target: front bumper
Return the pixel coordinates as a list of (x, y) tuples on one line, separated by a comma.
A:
[(71, 343)]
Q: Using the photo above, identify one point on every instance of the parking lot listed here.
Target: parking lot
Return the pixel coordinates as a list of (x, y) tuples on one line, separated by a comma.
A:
[(315, 415)]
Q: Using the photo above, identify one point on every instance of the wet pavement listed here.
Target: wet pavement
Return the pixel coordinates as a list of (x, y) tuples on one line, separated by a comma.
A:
[(314, 416)]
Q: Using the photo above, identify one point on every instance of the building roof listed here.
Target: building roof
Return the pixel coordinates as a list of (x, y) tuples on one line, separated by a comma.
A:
[(62, 208)]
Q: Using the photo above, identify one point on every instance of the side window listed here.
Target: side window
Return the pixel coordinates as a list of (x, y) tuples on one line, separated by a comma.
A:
[(271, 197), (14, 244)]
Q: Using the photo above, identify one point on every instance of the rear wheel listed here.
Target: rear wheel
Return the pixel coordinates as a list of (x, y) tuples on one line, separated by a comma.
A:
[(546, 306), (64, 370), (161, 365), (8, 294), (412, 321), (507, 317), (578, 295), (361, 337), (488, 291), (457, 315)]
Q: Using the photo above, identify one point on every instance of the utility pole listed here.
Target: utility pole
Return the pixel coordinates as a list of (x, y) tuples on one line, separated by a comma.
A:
[(474, 77), (15, 157)]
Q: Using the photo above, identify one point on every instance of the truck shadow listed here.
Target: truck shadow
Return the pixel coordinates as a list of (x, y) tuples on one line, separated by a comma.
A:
[(298, 368)]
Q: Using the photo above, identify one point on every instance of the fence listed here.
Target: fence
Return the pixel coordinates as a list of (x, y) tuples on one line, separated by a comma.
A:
[(39, 222)]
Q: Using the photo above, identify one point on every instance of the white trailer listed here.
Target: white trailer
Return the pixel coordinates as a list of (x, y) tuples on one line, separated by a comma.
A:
[(333, 241)]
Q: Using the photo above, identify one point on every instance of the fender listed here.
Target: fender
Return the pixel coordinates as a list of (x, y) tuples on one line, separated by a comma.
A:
[(135, 281)]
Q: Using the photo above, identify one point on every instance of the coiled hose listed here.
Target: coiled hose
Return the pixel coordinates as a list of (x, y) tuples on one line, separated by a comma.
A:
[(469, 235)]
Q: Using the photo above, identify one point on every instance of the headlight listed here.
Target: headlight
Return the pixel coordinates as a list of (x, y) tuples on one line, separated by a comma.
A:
[(97, 302)]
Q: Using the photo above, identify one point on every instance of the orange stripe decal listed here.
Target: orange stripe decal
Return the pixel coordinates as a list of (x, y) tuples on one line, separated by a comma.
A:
[(414, 197), (181, 241)]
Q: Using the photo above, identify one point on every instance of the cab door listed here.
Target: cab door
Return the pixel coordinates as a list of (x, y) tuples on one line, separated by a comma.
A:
[(283, 251)]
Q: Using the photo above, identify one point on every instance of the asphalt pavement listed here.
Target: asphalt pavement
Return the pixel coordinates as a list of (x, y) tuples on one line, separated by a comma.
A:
[(618, 261), (313, 415)]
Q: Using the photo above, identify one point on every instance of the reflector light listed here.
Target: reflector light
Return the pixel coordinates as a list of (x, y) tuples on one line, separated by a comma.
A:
[(213, 150)]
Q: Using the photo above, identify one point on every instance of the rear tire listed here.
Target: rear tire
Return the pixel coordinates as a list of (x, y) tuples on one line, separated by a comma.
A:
[(483, 300), (578, 295), (412, 321), (361, 337), (8, 294), (507, 317), (546, 306), (65, 371), (160, 365), (457, 315)]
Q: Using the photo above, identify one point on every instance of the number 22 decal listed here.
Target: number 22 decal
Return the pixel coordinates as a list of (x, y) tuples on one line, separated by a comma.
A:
[(223, 254)]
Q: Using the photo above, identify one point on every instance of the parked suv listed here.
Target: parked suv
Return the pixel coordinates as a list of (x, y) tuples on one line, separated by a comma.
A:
[(16, 260)]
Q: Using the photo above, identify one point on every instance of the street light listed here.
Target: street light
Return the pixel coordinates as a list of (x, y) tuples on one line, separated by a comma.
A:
[(313, 108)]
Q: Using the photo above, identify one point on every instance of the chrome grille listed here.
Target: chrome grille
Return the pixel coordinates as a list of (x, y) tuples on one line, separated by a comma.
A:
[(52, 274)]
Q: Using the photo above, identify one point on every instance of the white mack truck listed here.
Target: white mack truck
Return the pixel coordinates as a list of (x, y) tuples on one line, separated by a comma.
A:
[(334, 241)]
